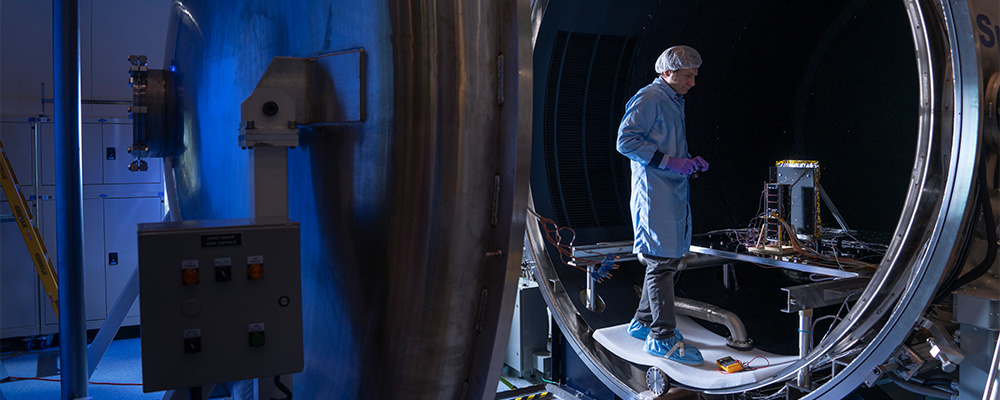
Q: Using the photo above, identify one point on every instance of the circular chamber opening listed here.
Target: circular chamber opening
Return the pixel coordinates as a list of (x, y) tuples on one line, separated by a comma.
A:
[(836, 83)]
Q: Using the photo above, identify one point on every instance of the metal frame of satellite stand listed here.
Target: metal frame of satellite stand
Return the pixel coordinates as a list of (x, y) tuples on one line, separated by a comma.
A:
[(803, 299)]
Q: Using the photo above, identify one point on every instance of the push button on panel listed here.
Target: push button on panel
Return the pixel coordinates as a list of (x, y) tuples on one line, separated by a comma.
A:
[(255, 267), (255, 272), (189, 272), (257, 334), (190, 276), (191, 307), (256, 339)]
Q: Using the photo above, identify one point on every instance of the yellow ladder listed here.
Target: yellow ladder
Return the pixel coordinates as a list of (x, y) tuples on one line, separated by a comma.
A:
[(40, 256)]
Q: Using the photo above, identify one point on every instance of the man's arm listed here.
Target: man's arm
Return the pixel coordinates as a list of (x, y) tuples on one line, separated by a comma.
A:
[(633, 132)]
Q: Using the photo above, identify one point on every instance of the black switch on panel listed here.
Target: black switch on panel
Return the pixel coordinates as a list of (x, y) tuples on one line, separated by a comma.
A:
[(192, 345), (112, 258), (224, 273), (112, 153)]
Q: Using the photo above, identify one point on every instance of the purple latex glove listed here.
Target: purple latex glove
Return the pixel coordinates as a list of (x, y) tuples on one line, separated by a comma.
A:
[(700, 164), (683, 166)]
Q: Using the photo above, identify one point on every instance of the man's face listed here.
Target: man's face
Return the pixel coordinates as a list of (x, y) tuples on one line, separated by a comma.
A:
[(681, 80)]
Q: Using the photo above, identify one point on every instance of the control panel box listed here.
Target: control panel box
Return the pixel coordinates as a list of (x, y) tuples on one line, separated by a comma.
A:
[(220, 301)]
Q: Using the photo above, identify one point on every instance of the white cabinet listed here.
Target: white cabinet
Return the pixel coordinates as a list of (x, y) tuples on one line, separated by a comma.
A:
[(120, 219), (90, 147), (93, 246), (117, 139), (18, 288), (114, 201), (19, 314)]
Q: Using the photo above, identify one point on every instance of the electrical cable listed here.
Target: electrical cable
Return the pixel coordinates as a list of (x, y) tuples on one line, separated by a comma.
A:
[(991, 240), (836, 316), (554, 238), (963, 254), (32, 378), (917, 389), (938, 381), (772, 395), (284, 389)]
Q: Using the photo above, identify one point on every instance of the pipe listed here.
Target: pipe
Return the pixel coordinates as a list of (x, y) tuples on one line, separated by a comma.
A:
[(692, 261), (738, 333), (804, 380), (591, 301), (69, 197), (992, 380)]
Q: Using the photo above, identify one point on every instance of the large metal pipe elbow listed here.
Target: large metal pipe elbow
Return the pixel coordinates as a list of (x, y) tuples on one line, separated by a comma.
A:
[(737, 339)]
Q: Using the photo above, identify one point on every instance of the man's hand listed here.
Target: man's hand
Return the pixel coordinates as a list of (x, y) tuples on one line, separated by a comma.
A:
[(687, 166), (684, 166), (700, 164)]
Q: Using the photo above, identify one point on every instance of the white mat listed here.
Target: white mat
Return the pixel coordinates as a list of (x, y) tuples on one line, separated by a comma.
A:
[(712, 346)]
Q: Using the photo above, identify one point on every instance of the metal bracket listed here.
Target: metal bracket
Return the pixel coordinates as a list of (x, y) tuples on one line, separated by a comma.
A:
[(880, 370), (909, 360), (269, 119), (943, 346), (821, 294)]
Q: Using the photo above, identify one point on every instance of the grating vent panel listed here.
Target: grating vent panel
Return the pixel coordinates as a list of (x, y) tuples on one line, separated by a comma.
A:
[(584, 103)]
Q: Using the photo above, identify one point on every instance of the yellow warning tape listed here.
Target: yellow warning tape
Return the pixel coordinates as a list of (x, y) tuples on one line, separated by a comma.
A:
[(533, 397)]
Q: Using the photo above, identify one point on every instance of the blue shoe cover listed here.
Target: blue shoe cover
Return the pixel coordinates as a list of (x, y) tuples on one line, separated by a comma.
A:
[(640, 331), (674, 349), (637, 329)]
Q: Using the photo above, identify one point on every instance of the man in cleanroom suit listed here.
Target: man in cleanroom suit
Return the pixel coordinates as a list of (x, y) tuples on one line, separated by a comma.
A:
[(652, 136)]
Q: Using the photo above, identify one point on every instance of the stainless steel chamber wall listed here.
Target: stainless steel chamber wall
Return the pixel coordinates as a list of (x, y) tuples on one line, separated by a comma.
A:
[(893, 99), (408, 215)]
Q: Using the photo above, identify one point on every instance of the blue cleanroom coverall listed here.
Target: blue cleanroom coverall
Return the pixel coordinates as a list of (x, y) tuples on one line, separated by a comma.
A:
[(653, 128)]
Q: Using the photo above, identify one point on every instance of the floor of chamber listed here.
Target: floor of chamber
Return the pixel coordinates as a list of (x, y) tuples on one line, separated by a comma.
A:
[(712, 346)]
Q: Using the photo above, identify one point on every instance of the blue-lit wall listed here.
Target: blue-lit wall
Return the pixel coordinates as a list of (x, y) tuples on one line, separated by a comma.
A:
[(219, 51)]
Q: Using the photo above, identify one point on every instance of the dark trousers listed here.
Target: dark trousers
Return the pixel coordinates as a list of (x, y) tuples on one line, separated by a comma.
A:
[(656, 305)]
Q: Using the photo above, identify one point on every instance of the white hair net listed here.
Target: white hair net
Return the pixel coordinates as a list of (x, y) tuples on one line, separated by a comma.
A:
[(678, 57)]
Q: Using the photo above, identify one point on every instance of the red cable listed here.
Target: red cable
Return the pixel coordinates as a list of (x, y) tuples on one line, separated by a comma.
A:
[(18, 378)]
